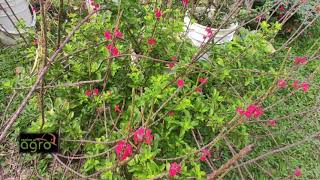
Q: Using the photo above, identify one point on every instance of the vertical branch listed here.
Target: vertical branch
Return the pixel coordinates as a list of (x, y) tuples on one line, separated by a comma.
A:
[(59, 23)]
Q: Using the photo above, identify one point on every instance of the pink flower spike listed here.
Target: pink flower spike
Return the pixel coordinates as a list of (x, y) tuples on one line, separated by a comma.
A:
[(281, 8), (148, 136), (88, 92), (174, 58), (295, 84), (96, 7), (157, 13), (107, 35), (250, 110), (152, 41), (117, 33), (138, 135), (300, 60), (113, 50), (282, 83), (180, 83), (272, 122), (205, 154), (297, 172), (175, 169), (123, 150), (305, 86), (34, 9), (198, 90), (95, 91), (119, 147)]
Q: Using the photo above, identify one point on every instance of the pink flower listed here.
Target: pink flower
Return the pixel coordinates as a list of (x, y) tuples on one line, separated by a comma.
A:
[(152, 41), (250, 110), (305, 86), (281, 8), (297, 172), (157, 13), (203, 80), (171, 113), (180, 83), (117, 108), (175, 169), (107, 35), (240, 111), (123, 150), (88, 92), (174, 58), (96, 7), (205, 154), (295, 84), (282, 83), (170, 65), (148, 136), (95, 91), (34, 9), (258, 112), (300, 60), (138, 135), (198, 90), (117, 33), (185, 2), (113, 50), (272, 122)]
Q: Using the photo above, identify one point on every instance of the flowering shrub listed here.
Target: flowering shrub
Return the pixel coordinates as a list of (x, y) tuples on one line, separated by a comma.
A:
[(149, 104)]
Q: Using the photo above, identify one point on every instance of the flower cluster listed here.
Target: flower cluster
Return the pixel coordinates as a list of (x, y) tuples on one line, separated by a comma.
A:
[(123, 150), (300, 60), (94, 92), (157, 13), (95, 6), (205, 153), (143, 135), (305, 86), (252, 111), (175, 169), (297, 172), (113, 50)]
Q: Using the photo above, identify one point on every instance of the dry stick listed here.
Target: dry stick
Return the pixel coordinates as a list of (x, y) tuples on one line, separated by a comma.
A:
[(233, 154), (85, 157), (40, 77), (59, 22), (9, 104), (230, 162), (279, 150)]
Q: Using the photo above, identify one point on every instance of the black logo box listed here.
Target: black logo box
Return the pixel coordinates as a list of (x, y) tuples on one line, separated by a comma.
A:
[(38, 143)]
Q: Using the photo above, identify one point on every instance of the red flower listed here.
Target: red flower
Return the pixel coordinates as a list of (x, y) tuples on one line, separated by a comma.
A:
[(96, 7), (138, 135), (295, 84), (95, 91), (180, 83), (143, 134), (117, 33), (152, 41), (107, 35), (123, 150), (170, 65), (171, 113), (88, 92), (300, 60), (250, 111), (148, 136), (205, 153), (272, 122), (185, 2), (175, 169), (297, 172), (203, 80), (281, 8), (174, 58), (199, 90), (34, 9), (282, 83), (157, 13), (117, 108), (305, 86), (240, 111), (258, 112), (113, 50)]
